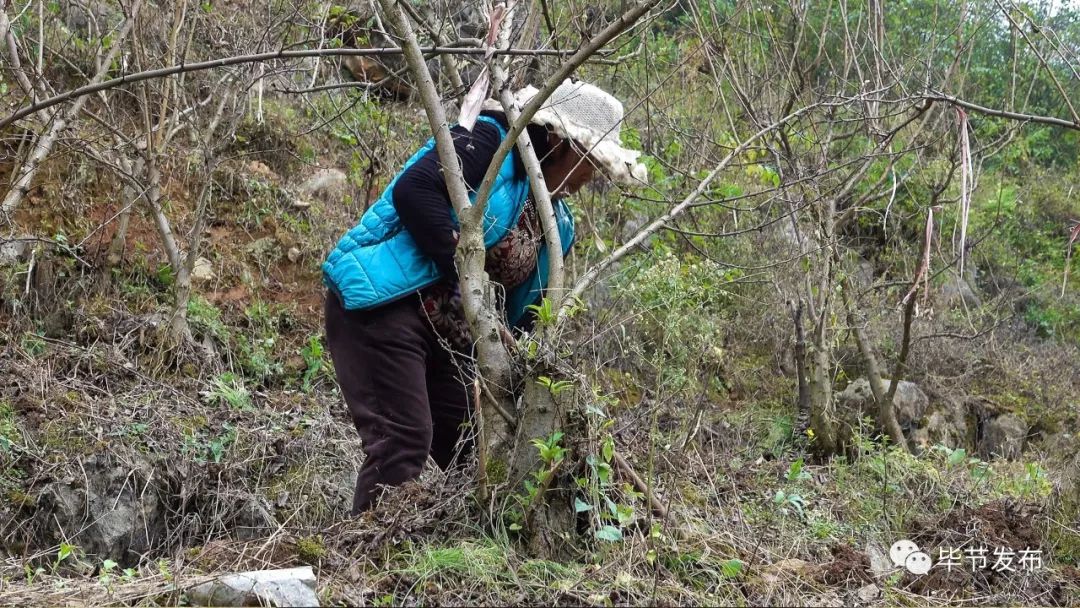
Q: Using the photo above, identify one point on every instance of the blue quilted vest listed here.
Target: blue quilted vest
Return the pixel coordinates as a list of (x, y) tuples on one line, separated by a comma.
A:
[(377, 261)]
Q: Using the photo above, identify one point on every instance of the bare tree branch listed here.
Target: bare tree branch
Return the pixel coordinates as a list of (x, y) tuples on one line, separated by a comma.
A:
[(253, 58), (594, 273), (1046, 120), (572, 63), (58, 122)]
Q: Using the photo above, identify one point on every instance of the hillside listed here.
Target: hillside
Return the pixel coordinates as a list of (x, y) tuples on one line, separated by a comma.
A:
[(848, 194)]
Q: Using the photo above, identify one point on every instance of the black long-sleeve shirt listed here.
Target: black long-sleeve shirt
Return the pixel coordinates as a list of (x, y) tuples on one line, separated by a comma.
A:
[(422, 200)]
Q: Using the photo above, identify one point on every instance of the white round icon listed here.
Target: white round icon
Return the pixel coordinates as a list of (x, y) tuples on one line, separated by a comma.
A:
[(917, 563), (900, 551)]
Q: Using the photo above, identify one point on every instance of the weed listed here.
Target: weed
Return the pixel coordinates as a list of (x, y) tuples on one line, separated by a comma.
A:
[(228, 388), (795, 471), (164, 570), (33, 343), (555, 387), (66, 551), (202, 449), (105, 575), (9, 430), (314, 361), (217, 446), (466, 561), (787, 502), (205, 318), (31, 573)]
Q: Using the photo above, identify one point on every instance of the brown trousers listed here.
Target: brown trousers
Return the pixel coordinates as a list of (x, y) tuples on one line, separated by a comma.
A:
[(405, 391)]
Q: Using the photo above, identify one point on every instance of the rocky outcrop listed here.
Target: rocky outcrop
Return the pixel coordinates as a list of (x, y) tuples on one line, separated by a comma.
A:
[(1003, 436), (203, 271), (958, 293), (948, 422), (910, 401), (117, 508), (970, 423), (15, 250)]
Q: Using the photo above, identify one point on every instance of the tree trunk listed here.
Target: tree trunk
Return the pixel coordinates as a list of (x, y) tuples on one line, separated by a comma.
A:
[(477, 296), (550, 516), (886, 413), (507, 455)]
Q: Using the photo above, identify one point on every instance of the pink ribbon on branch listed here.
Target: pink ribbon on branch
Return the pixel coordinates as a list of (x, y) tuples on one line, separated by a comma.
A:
[(478, 92), (922, 275), (967, 183)]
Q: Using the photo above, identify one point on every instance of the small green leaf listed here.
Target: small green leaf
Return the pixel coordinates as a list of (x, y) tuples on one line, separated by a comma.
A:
[(656, 530), (957, 457), (732, 568), (603, 472), (580, 506), (609, 533)]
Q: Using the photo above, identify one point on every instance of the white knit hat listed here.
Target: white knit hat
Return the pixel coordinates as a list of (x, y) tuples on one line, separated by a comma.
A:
[(590, 116)]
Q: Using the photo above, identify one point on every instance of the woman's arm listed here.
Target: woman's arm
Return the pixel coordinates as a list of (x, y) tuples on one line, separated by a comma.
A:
[(423, 202)]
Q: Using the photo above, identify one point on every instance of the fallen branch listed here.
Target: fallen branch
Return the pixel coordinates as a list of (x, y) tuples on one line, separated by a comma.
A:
[(657, 507)]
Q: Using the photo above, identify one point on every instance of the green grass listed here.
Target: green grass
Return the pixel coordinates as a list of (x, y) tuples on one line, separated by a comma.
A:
[(9, 430), (476, 561)]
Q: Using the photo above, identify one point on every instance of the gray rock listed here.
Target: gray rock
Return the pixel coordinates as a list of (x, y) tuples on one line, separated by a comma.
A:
[(868, 593), (115, 510), (266, 251), (864, 273), (14, 251), (203, 271), (786, 236), (948, 423), (879, 559), (251, 518), (288, 587), (87, 18), (327, 185), (1003, 436), (910, 402), (958, 293)]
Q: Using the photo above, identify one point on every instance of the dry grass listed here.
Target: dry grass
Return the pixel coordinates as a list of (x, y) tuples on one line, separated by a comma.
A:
[(428, 542)]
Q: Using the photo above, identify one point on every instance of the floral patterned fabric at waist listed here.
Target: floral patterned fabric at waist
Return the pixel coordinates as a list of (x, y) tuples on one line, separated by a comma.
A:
[(508, 263)]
